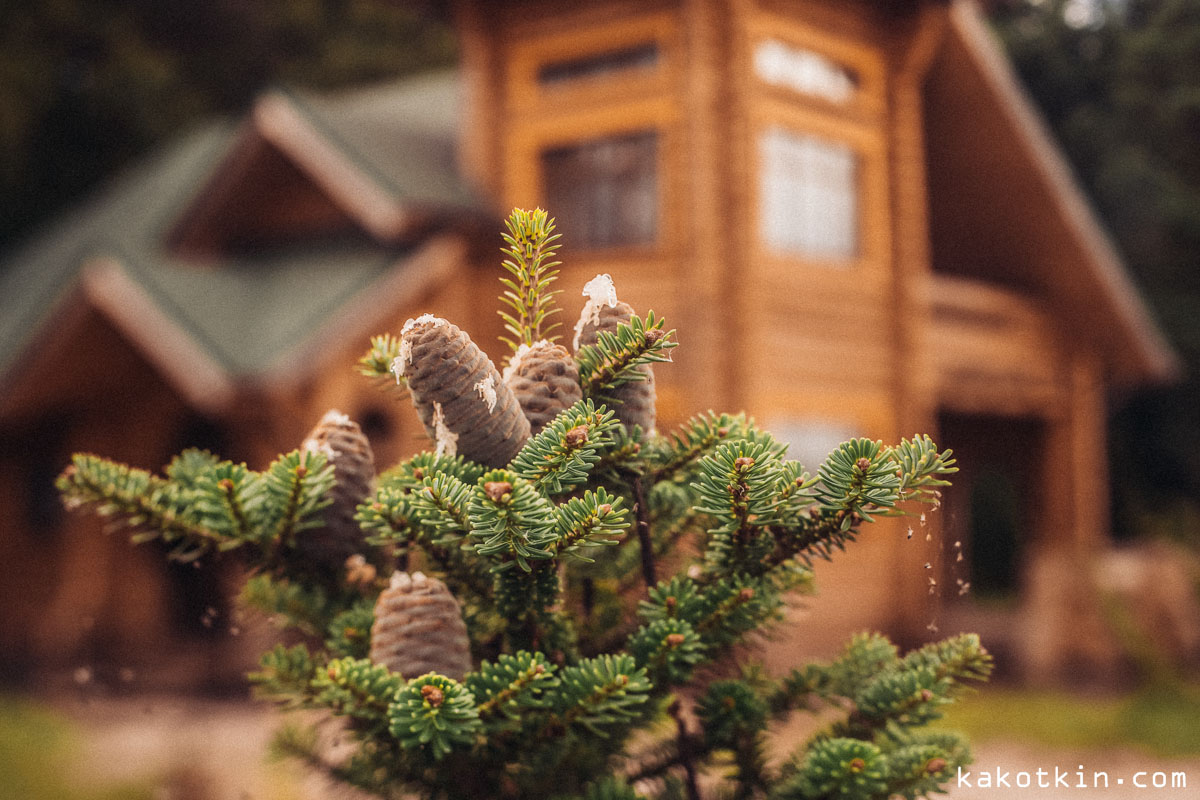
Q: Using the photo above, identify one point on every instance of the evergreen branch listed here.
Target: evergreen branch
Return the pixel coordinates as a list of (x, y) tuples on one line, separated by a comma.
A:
[(387, 518), (296, 487), (668, 649), (687, 758), (287, 676), (380, 360), (720, 611), (511, 684), (357, 688), (530, 247), (526, 600), (865, 656), (694, 440), (441, 503), (227, 497), (510, 520), (419, 505), (858, 478), (921, 466), (924, 763), (741, 609), (959, 658), (187, 468), (645, 542), (434, 714), (588, 521), (615, 357), (306, 608), (600, 694), (902, 698), (137, 499), (563, 453), (730, 711), (841, 768), (738, 485), (349, 632)]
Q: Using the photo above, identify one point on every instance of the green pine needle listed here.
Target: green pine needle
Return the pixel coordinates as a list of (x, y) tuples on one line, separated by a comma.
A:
[(530, 249)]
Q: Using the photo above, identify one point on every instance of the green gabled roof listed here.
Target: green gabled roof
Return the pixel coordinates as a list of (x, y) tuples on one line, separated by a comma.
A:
[(128, 214), (245, 314), (402, 134)]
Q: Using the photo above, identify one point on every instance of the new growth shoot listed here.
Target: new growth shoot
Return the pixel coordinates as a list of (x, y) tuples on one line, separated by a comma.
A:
[(530, 249)]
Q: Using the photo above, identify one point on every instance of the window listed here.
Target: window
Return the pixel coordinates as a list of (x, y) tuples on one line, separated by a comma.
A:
[(598, 65), (804, 71), (604, 191), (809, 191)]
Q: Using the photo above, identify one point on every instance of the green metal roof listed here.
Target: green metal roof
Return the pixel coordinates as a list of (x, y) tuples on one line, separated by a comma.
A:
[(403, 135), (246, 313)]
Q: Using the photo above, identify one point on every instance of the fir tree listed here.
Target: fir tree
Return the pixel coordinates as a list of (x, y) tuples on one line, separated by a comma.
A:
[(535, 657)]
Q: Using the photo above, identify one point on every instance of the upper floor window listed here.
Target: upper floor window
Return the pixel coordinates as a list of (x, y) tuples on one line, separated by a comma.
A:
[(804, 71), (604, 191), (809, 192), (597, 65)]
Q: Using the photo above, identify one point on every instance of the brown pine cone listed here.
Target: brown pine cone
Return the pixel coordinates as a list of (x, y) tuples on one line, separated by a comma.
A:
[(633, 402), (465, 406), (545, 380), (344, 444), (419, 628)]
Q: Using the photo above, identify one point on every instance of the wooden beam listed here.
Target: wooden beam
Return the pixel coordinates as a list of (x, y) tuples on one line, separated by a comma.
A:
[(188, 367)]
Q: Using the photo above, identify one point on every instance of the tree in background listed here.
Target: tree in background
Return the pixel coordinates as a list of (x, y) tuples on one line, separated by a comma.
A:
[(88, 85), (1119, 83)]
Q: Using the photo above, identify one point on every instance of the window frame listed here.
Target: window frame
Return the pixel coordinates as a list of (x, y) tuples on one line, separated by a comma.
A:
[(856, 189), (858, 124), (530, 56), (571, 113), (870, 178), (657, 164), (870, 98)]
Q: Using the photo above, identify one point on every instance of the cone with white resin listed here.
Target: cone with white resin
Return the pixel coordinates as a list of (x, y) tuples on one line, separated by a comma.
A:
[(465, 406), (347, 449), (419, 628), (633, 402), (545, 379)]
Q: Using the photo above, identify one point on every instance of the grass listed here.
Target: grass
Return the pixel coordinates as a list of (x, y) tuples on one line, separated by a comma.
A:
[(37, 752), (1160, 719)]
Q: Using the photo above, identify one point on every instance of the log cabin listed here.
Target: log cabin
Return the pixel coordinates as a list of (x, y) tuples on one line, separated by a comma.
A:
[(847, 208)]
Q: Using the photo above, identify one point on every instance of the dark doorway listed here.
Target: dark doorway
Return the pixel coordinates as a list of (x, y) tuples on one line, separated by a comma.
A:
[(991, 510)]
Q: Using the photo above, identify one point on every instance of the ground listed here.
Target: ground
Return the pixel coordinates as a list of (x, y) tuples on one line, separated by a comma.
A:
[(195, 749)]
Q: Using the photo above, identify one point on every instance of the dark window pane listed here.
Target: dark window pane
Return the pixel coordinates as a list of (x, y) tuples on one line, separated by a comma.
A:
[(604, 192), (598, 64)]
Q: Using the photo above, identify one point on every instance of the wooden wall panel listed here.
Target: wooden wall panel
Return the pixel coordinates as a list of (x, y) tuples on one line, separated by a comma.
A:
[(994, 351)]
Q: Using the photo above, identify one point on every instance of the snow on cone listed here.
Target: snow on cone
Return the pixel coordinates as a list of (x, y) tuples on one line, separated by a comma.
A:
[(347, 448), (545, 379), (633, 402), (465, 406), (419, 628)]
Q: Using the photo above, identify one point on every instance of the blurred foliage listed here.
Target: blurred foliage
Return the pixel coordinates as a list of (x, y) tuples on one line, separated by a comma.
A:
[(86, 85), (35, 744), (1119, 83), (1159, 719)]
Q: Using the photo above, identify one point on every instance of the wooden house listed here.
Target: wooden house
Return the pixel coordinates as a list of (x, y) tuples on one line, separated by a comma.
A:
[(847, 208)]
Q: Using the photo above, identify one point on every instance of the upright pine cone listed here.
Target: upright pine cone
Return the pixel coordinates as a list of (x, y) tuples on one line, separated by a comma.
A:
[(465, 406), (344, 444), (633, 402), (545, 380), (419, 628)]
